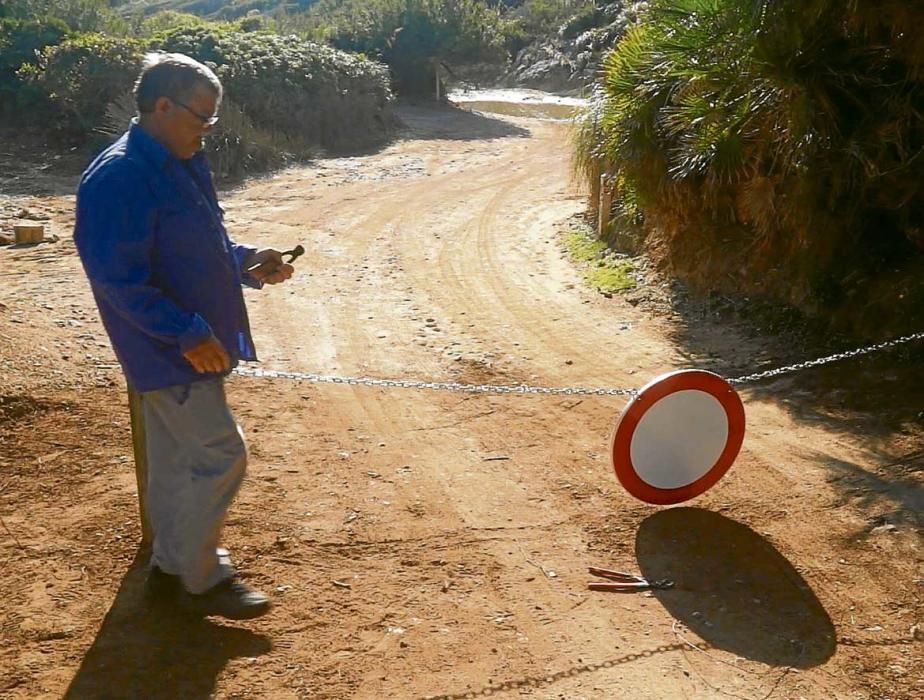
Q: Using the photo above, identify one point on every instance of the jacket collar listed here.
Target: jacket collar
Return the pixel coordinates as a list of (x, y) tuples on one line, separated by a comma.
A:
[(141, 141)]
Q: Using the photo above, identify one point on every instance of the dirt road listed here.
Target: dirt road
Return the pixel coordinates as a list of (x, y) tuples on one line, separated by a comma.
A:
[(434, 544)]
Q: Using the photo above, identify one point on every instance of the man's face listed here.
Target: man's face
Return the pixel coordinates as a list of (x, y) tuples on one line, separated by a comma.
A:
[(185, 123)]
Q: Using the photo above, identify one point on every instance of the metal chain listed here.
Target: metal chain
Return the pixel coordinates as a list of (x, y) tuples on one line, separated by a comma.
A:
[(747, 378), (440, 386), (557, 391)]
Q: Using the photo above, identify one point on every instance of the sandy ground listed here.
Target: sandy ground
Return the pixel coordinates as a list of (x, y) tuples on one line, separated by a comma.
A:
[(435, 544)]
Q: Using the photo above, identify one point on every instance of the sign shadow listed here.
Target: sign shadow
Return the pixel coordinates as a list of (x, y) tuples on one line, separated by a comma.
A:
[(733, 588)]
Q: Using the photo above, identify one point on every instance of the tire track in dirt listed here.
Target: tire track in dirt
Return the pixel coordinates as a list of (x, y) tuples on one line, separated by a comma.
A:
[(448, 484), (374, 410), (456, 220), (477, 279)]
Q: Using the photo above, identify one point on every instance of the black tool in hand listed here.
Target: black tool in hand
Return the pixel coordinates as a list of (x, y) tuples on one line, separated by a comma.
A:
[(294, 253)]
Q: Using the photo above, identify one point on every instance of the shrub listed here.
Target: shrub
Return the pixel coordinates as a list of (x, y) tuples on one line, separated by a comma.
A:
[(768, 146), (20, 42), (78, 15), (82, 75), (544, 18), (236, 147), (409, 34), (165, 21), (310, 93)]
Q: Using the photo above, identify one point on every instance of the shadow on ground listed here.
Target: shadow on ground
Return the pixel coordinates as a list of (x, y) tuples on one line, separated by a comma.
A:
[(733, 588), (142, 651), (435, 121), (891, 495)]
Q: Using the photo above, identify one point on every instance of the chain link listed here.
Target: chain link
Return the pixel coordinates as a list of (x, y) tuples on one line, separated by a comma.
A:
[(556, 391), (748, 378)]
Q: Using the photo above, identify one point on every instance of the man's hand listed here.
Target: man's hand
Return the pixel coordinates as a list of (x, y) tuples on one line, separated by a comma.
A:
[(209, 356), (266, 266)]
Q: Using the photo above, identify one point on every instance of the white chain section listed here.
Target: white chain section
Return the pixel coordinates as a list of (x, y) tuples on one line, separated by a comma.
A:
[(439, 386), (748, 378), (558, 391)]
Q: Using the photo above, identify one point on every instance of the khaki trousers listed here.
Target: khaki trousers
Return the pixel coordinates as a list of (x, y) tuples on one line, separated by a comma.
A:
[(196, 457)]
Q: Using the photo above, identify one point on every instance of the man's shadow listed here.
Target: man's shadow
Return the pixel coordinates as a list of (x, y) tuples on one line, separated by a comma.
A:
[(733, 588), (143, 650)]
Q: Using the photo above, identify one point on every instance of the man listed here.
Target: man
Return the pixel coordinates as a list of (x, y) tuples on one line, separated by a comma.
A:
[(167, 281)]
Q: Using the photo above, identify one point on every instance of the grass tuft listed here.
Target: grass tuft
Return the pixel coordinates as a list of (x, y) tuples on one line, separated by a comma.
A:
[(604, 270)]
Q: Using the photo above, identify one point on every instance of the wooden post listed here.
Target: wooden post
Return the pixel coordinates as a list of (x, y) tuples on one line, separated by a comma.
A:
[(136, 412), (436, 70), (606, 204)]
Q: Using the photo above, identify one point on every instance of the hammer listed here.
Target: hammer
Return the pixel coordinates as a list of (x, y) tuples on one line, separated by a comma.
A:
[(294, 253)]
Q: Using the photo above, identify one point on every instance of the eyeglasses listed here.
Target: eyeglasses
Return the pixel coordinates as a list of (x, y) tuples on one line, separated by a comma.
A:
[(206, 121)]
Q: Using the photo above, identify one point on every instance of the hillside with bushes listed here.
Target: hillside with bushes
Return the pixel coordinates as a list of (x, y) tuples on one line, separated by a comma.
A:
[(67, 69), (547, 44)]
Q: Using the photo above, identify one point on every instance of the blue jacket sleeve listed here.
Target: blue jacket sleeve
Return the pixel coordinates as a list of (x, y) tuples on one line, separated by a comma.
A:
[(241, 253), (114, 235)]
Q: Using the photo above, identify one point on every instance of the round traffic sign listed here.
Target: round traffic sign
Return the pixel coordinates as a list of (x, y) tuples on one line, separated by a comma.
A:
[(677, 437)]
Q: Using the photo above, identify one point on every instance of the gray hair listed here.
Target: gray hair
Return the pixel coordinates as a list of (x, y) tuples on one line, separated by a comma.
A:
[(172, 75)]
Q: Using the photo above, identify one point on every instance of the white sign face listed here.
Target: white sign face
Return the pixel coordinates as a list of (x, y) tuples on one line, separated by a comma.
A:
[(677, 437)]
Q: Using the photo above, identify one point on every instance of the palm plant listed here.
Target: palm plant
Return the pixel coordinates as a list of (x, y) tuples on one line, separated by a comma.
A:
[(766, 137)]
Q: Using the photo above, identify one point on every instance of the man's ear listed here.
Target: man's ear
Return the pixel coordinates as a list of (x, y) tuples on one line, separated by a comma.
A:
[(162, 105)]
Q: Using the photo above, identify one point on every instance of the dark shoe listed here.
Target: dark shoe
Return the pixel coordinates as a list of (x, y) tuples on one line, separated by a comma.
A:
[(161, 586), (230, 599)]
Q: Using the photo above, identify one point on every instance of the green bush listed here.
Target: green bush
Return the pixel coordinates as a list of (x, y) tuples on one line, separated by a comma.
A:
[(20, 42), (235, 146), (409, 34), (78, 15), (165, 21), (314, 94), (770, 147), (82, 75), (544, 18)]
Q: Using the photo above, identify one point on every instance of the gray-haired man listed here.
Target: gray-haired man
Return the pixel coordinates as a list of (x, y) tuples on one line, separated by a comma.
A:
[(167, 280)]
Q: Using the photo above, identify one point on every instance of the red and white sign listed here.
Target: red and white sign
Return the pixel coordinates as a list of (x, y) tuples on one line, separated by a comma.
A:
[(677, 437)]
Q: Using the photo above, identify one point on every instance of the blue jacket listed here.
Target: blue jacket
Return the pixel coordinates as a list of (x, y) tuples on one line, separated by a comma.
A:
[(163, 271)]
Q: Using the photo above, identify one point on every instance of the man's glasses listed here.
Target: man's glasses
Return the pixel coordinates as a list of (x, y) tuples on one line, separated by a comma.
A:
[(206, 121)]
